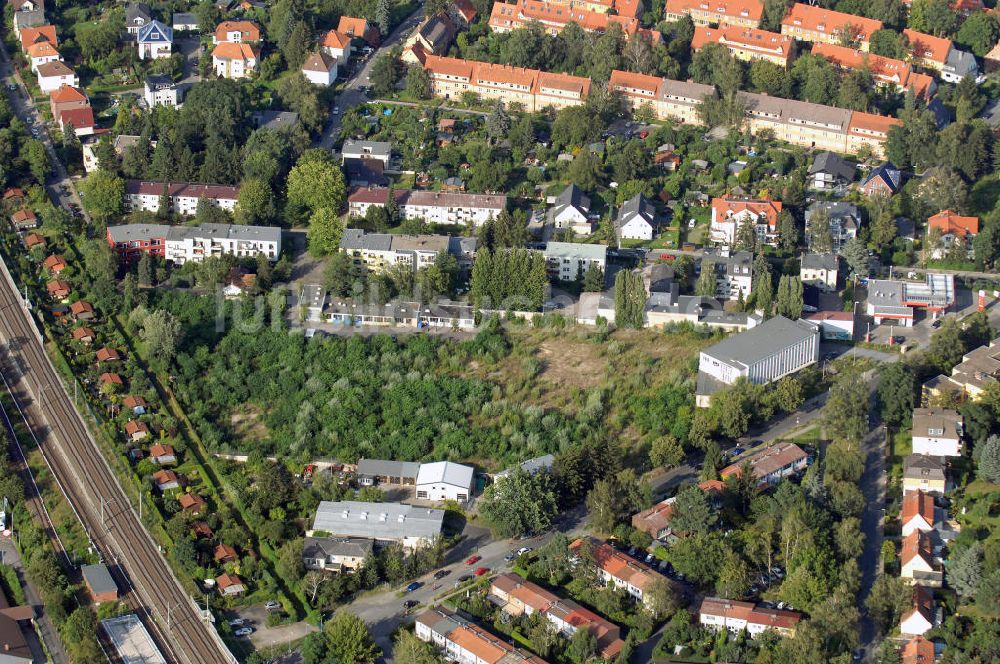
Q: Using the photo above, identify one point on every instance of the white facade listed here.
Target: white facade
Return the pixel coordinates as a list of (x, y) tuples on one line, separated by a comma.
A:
[(567, 260), (324, 78), (52, 83), (763, 354), (180, 204), (155, 41), (934, 445), (233, 67), (154, 51), (636, 228), (444, 480), (915, 623), (161, 91), (197, 247), (433, 207), (38, 60)]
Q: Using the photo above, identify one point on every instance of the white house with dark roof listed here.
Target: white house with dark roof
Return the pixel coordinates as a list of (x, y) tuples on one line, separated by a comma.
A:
[(820, 270), (162, 91), (320, 69), (155, 41), (635, 219), (937, 432), (335, 554), (571, 210), (444, 480), (843, 221), (137, 15)]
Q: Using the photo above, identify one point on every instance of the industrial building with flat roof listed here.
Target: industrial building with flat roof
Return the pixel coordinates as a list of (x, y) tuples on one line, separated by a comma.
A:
[(895, 301), (763, 354), (383, 522)]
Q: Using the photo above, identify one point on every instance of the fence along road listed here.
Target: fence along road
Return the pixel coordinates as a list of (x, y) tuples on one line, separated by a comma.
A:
[(94, 491)]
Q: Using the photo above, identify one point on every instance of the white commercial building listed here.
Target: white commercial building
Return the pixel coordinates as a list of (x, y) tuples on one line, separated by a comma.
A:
[(409, 525), (431, 206), (444, 480), (774, 349)]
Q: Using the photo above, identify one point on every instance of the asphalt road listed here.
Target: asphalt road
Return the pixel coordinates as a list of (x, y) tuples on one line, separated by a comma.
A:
[(352, 95), (873, 485)]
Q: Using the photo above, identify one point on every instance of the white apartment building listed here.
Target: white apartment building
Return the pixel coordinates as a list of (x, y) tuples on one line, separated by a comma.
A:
[(568, 260), (937, 432), (763, 354), (162, 91), (184, 196), (379, 251), (181, 244), (431, 206)]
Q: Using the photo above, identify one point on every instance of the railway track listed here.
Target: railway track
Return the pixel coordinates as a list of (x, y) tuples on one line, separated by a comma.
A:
[(93, 490)]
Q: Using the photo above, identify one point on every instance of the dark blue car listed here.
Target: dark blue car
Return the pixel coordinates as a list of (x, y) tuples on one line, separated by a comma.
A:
[(413, 586)]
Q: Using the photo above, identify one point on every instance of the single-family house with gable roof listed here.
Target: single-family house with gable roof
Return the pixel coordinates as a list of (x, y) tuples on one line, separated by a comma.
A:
[(571, 210), (137, 15), (636, 219)]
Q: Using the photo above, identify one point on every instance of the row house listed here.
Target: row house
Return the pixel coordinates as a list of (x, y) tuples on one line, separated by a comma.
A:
[(921, 617), (718, 614), (771, 464), (431, 206), (940, 55), (742, 13), (183, 197), (746, 44), (380, 251), (815, 24), (631, 8), (729, 214), (926, 473), (668, 99), (614, 566), (919, 562), (531, 88), (465, 642), (181, 244), (518, 597), (978, 369), (887, 72), (554, 17)]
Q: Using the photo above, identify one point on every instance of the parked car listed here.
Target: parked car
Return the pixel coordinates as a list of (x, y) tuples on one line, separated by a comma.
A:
[(413, 586), (463, 579), (441, 573), (410, 603), (244, 631), (236, 622), (472, 560), (649, 558), (481, 570), (272, 605), (523, 550)]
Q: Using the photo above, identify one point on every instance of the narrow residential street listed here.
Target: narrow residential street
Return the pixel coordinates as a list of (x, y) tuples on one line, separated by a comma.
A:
[(873, 485), (352, 95)]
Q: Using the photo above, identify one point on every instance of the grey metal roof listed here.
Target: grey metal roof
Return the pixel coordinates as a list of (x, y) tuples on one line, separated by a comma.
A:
[(576, 250), (834, 164), (381, 521), (274, 120), (322, 547), (445, 472), (923, 466), (885, 293), (460, 246), (531, 466), (226, 231), (386, 468), (961, 63), (129, 232), (820, 261), (770, 337), (99, 579), (183, 18), (366, 148)]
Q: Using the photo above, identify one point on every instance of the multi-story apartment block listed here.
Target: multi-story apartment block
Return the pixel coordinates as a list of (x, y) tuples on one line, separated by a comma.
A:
[(568, 260), (816, 24), (729, 214), (717, 614), (888, 72), (432, 206), (743, 13), (763, 354), (180, 244), (531, 88), (627, 573), (940, 54), (844, 220), (556, 16), (465, 642), (182, 196), (746, 44), (521, 597), (668, 99), (379, 251), (733, 273)]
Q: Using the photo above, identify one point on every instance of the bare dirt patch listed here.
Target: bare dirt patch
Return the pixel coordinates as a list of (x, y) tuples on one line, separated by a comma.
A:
[(569, 362), (247, 425)]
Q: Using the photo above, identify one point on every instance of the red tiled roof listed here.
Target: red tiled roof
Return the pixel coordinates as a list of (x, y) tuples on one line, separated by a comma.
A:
[(80, 118), (67, 93), (132, 401), (318, 62), (164, 477), (224, 552), (726, 207), (111, 379), (58, 286), (32, 240), (81, 307), (466, 10), (927, 47), (81, 333), (766, 461), (355, 27), (735, 9), (950, 223), (235, 51), (227, 580), (191, 501), (916, 544), (619, 565), (133, 427), (13, 192), (830, 315), (23, 215), (752, 39), (883, 69), (918, 650), (183, 189), (642, 82), (868, 124), (108, 355), (42, 49), (160, 450), (36, 34), (248, 30), (55, 263), (334, 39), (827, 21), (918, 503)]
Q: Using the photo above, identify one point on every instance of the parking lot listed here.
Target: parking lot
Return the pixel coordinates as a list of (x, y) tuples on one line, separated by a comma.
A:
[(264, 636)]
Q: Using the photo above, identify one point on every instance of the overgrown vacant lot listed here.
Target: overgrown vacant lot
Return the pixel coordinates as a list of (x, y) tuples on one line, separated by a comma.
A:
[(503, 396)]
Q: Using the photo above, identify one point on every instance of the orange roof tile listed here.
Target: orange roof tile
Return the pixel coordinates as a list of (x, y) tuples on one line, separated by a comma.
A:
[(735, 9), (646, 84), (67, 93), (928, 47), (335, 39), (918, 650), (950, 223), (248, 30), (31, 36), (752, 39), (553, 81), (445, 66), (235, 51), (918, 503), (916, 544), (883, 69), (42, 50), (159, 450), (827, 21), (726, 207), (355, 27), (486, 72), (480, 643), (872, 125)]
